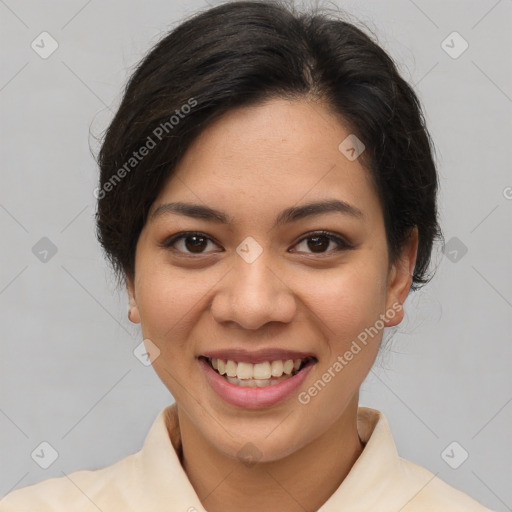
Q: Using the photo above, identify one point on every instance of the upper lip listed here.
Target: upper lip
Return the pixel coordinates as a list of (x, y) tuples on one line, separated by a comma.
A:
[(257, 356)]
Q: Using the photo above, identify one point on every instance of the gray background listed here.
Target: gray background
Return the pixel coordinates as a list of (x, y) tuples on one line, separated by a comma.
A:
[(67, 371)]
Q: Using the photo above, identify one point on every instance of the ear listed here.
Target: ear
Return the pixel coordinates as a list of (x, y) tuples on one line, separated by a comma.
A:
[(133, 311), (400, 278)]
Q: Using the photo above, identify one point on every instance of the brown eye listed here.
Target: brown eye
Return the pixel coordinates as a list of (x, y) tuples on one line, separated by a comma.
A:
[(319, 243), (189, 243), (195, 243)]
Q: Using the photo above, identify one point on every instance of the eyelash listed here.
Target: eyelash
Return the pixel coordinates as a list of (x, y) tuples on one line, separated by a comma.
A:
[(169, 242)]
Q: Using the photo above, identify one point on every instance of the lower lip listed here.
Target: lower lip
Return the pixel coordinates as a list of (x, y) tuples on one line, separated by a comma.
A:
[(253, 398)]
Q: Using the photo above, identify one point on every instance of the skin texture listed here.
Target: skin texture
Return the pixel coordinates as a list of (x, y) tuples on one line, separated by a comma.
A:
[(252, 163)]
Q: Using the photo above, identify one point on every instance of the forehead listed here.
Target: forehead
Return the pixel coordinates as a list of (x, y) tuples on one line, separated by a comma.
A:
[(268, 157)]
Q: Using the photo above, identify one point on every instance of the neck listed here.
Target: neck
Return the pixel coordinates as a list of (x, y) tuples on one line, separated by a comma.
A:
[(301, 481)]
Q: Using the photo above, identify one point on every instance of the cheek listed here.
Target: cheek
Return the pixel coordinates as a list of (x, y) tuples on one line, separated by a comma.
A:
[(167, 305), (348, 300), (347, 306), (167, 302)]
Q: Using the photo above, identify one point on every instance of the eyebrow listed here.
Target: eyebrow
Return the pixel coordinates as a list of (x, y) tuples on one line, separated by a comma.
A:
[(288, 215)]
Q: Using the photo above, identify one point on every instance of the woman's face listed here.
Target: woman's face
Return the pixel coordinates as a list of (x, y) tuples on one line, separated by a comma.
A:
[(255, 283)]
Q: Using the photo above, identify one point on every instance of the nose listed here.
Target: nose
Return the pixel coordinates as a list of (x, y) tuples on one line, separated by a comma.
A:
[(252, 295)]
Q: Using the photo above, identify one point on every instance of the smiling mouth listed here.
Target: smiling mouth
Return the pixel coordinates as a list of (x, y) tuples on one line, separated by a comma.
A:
[(266, 373)]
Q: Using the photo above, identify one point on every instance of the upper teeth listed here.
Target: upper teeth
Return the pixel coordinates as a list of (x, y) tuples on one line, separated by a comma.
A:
[(264, 370)]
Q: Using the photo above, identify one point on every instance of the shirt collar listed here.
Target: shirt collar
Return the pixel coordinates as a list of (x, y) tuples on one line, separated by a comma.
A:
[(161, 468), (374, 476)]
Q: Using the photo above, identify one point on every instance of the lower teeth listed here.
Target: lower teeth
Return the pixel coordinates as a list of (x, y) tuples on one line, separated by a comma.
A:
[(256, 383)]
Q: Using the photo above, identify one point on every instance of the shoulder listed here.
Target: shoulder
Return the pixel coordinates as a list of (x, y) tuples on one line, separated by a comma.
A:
[(429, 492), (147, 480), (84, 490), (396, 482)]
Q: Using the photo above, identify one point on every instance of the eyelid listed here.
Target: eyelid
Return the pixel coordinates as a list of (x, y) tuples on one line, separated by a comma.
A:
[(343, 243), (171, 240)]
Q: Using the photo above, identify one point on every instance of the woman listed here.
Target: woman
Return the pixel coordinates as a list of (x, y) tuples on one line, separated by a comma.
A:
[(268, 195)]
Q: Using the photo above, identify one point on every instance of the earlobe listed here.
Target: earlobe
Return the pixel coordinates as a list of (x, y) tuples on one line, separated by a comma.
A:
[(133, 310), (400, 279)]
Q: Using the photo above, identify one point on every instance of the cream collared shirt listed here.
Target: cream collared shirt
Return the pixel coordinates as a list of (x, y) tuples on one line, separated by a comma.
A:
[(153, 480)]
